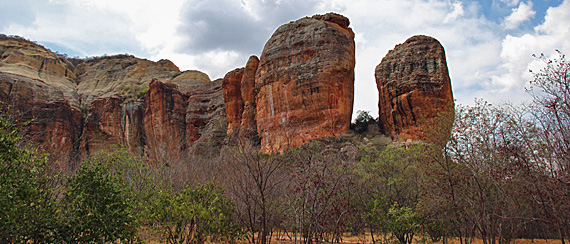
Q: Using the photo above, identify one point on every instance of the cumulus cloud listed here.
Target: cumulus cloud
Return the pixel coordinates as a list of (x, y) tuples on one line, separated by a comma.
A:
[(219, 35), (239, 26), (471, 44), (517, 51), (16, 12), (457, 11), (519, 15), (79, 26)]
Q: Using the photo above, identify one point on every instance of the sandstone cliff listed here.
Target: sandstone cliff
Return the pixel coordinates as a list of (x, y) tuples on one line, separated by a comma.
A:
[(414, 85), (232, 99), (303, 87), (150, 108)]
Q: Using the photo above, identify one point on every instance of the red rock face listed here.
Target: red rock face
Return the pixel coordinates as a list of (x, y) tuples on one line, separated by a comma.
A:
[(414, 86), (164, 121), (54, 123), (248, 92), (111, 124), (178, 115), (149, 108), (305, 82), (233, 99)]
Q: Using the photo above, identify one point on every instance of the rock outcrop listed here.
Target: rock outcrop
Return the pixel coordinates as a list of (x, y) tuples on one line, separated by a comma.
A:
[(300, 89), (233, 99), (239, 96), (414, 86), (150, 108), (38, 84), (248, 123), (165, 120), (305, 82)]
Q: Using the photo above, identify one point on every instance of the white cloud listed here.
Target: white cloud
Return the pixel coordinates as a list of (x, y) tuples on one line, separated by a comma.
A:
[(80, 26), (471, 44), (457, 12), (519, 15), (516, 56)]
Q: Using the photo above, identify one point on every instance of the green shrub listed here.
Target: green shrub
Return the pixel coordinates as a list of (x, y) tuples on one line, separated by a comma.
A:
[(105, 199), (193, 215), (27, 199)]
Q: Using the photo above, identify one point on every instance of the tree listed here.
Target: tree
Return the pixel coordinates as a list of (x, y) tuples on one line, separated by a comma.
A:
[(403, 222), (27, 195), (362, 121), (255, 182), (392, 176), (193, 215), (551, 113), (319, 199), (98, 204)]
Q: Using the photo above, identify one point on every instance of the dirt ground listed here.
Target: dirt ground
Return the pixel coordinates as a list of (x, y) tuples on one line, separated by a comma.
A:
[(366, 239)]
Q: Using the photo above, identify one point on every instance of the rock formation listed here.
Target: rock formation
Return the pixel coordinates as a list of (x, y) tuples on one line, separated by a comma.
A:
[(37, 84), (239, 97), (248, 123), (150, 108), (305, 82), (303, 88), (233, 99), (414, 86)]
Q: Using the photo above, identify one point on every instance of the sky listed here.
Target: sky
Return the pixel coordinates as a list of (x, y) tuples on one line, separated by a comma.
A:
[(489, 44)]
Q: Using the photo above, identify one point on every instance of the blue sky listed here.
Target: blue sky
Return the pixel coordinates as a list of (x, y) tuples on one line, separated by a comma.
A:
[(489, 43)]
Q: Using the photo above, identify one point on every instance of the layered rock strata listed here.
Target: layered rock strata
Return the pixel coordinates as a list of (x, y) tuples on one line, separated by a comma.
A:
[(414, 86), (303, 88), (306, 82), (150, 108)]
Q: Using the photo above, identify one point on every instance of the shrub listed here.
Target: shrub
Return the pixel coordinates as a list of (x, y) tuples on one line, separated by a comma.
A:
[(193, 215), (27, 199), (105, 199)]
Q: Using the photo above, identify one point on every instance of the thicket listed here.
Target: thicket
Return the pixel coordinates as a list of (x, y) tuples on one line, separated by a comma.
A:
[(495, 173)]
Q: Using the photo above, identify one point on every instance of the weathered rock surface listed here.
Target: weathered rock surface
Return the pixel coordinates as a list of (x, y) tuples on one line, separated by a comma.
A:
[(150, 108), (122, 75), (24, 58), (414, 85), (190, 75), (165, 120), (56, 125), (233, 99), (111, 123), (239, 96), (38, 84), (248, 123), (305, 82)]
